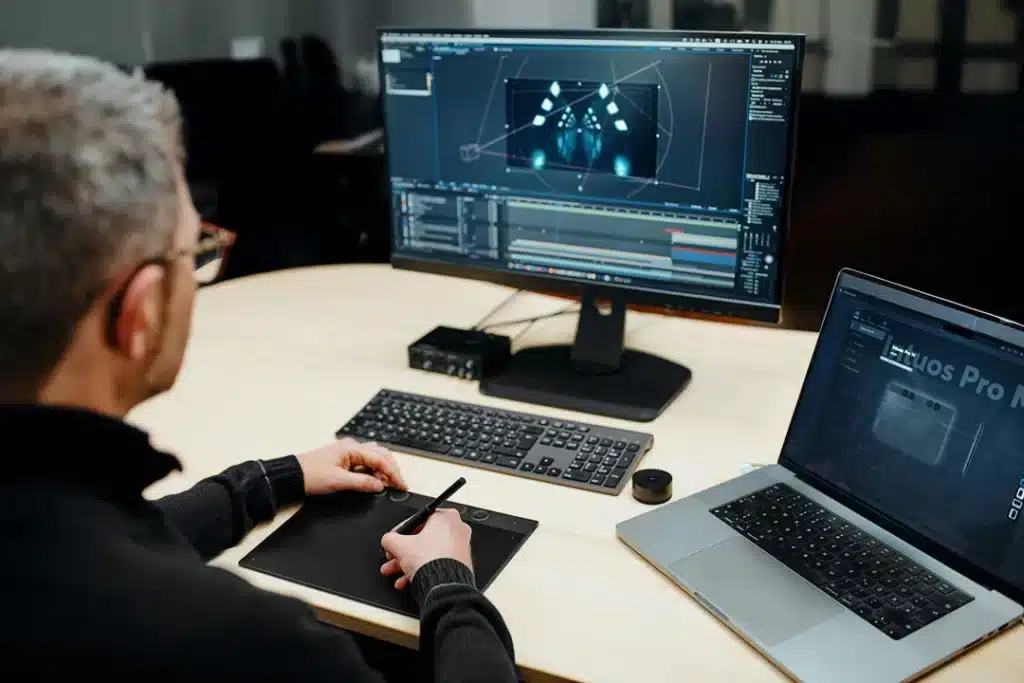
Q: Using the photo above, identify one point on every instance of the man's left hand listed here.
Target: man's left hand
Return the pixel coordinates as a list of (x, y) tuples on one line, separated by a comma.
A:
[(347, 465)]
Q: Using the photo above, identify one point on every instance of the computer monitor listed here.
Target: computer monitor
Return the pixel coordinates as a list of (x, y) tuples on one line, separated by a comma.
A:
[(626, 167)]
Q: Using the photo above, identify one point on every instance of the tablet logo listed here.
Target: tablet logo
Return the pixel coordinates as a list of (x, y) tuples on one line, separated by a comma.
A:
[(1018, 501)]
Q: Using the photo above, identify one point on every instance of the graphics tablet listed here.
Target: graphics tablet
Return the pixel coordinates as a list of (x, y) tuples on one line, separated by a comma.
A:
[(333, 544)]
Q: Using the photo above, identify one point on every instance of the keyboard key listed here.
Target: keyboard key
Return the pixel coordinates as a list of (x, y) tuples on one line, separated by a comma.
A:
[(541, 470), (506, 461), (896, 631), (527, 467), (944, 588), (576, 475), (546, 462), (633, 447), (612, 481), (597, 480), (554, 472), (958, 598)]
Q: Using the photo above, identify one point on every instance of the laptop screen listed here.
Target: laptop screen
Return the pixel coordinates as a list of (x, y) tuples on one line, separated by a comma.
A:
[(916, 409)]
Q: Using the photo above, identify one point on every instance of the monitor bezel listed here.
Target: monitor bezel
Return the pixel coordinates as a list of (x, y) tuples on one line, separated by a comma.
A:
[(986, 324), (682, 302)]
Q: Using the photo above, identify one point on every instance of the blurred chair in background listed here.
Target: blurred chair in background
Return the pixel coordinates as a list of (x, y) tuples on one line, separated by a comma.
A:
[(251, 166), (345, 129)]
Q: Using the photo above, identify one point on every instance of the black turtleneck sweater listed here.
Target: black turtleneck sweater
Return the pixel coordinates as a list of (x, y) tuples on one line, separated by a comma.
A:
[(98, 580)]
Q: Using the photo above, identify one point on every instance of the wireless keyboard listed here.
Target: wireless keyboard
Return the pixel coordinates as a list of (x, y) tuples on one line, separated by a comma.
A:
[(573, 454)]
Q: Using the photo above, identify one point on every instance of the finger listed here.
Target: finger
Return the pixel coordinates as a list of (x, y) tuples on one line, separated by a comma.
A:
[(356, 481), (391, 469), (390, 567), (400, 482), (393, 543), (444, 515), (378, 460), (402, 582)]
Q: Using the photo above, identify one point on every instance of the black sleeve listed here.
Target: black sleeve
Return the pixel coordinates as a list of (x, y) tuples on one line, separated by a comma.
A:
[(463, 638), (223, 628), (218, 512)]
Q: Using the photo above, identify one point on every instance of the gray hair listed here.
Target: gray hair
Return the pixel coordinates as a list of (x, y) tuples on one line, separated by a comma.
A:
[(88, 185)]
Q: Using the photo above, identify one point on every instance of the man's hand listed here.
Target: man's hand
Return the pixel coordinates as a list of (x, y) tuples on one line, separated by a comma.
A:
[(347, 465), (443, 535)]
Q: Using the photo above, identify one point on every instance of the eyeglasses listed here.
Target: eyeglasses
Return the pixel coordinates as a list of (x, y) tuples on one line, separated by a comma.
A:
[(209, 254)]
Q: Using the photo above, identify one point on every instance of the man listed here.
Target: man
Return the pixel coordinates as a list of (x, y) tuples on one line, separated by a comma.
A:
[(98, 239)]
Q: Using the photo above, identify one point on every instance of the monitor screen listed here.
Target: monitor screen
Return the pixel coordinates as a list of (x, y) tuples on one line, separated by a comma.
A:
[(654, 163), (920, 415)]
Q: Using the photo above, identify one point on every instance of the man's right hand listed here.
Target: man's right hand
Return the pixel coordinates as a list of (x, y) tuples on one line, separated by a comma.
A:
[(444, 535)]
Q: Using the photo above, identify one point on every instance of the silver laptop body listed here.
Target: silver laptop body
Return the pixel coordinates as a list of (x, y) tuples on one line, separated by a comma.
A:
[(886, 540)]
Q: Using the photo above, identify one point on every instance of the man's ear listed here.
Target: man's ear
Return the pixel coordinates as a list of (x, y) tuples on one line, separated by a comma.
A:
[(138, 319)]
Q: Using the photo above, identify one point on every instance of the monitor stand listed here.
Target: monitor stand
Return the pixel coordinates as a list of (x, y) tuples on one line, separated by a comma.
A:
[(597, 374)]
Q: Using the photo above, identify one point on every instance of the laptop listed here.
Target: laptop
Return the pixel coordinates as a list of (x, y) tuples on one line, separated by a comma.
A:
[(889, 537)]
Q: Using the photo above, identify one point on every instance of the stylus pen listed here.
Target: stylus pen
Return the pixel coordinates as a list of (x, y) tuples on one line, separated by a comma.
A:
[(409, 525)]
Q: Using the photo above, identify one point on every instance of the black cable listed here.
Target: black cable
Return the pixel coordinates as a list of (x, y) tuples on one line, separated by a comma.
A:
[(573, 308), (490, 314)]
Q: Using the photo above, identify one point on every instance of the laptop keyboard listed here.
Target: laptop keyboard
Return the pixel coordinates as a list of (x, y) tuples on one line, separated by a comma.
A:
[(882, 586)]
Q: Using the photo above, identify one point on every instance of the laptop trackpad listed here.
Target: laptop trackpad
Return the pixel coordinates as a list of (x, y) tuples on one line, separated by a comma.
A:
[(754, 591)]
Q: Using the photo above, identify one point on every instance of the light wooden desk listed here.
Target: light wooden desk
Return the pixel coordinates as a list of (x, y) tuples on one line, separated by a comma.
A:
[(278, 362)]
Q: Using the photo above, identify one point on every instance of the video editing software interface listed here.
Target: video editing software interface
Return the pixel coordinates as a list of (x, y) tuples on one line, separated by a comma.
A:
[(924, 421), (655, 164)]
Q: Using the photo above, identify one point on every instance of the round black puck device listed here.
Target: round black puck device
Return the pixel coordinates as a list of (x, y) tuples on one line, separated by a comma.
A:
[(652, 487)]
